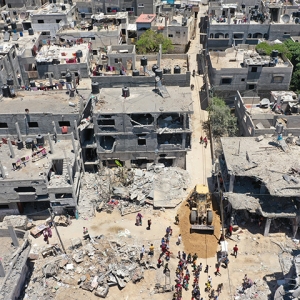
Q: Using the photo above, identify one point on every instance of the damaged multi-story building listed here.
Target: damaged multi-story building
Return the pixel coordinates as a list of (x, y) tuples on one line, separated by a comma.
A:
[(258, 116), (140, 125), (260, 180), (242, 68), (40, 157), (247, 22)]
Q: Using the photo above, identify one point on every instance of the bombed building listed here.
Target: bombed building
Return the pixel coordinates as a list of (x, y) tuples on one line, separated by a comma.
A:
[(40, 151), (139, 125), (260, 179)]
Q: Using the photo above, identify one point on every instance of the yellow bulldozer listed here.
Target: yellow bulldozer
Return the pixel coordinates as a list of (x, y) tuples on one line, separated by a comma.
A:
[(201, 216)]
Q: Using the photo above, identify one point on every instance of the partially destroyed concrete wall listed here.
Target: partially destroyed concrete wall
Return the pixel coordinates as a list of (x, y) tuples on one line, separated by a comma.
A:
[(16, 273)]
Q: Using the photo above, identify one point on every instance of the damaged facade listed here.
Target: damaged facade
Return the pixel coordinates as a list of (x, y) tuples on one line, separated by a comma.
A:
[(259, 177), (14, 249), (139, 127), (258, 116), (40, 152)]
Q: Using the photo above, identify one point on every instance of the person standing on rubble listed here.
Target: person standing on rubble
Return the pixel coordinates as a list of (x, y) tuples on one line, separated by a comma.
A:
[(151, 250), (177, 219), (149, 224), (179, 239), (205, 142), (142, 252)]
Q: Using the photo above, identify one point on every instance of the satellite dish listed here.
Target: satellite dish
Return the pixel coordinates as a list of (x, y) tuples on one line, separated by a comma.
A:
[(157, 78), (285, 18)]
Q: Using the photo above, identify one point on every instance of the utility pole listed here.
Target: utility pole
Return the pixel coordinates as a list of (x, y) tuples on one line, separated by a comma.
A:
[(62, 245)]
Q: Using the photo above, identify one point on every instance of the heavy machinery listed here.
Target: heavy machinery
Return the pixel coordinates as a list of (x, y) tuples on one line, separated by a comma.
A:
[(201, 216)]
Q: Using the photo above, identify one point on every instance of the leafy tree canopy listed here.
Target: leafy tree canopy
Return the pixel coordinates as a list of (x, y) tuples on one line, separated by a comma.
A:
[(222, 123), (150, 40)]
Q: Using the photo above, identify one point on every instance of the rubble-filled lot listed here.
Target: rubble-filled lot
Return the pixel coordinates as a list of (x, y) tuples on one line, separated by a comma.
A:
[(158, 185)]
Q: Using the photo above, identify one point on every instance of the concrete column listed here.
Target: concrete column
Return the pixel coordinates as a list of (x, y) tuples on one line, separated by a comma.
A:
[(76, 130), (12, 152), (228, 17), (159, 55), (231, 183), (75, 151), (2, 170), (50, 144), (295, 226), (18, 131), (70, 174), (2, 271), (13, 235), (184, 121), (267, 227), (133, 62), (183, 141), (54, 127)]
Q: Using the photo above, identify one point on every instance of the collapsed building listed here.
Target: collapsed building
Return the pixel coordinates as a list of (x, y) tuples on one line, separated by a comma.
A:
[(137, 126), (40, 151), (257, 116), (260, 179), (14, 250)]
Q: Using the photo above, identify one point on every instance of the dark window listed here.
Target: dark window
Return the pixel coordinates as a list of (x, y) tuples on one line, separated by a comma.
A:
[(251, 86), (226, 80), (278, 79), (243, 79), (106, 122), (45, 33), (170, 35), (4, 206), (64, 123), (3, 125), (57, 20), (33, 124), (93, 38), (40, 21), (25, 189), (253, 69), (141, 142)]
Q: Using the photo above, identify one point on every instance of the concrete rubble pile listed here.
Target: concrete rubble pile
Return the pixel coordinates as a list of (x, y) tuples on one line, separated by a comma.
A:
[(94, 265), (19, 222), (259, 290)]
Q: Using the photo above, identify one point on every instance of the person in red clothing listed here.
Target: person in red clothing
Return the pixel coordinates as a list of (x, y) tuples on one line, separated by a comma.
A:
[(229, 230), (235, 250)]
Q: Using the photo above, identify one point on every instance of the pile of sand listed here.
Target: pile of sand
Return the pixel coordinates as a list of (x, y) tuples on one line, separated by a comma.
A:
[(205, 245)]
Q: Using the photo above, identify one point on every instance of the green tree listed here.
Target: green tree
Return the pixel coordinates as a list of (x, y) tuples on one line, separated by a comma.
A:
[(222, 123), (149, 42), (294, 56), (265, 48)]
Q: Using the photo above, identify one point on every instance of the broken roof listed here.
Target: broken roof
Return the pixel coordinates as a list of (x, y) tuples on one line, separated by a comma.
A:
[(145, 100), (56, 102), (264, 161), (265, 205)]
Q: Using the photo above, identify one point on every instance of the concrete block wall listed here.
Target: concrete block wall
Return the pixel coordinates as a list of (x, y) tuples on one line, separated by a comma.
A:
[(132, 81), (44, 123), (57, 70)]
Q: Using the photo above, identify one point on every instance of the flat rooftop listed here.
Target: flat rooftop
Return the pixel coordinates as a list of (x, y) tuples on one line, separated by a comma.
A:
[(145, 18), (144, 100), (52, 9), (266, 162), (64, 55), (24, 42), (231, 58), (55, 102), (37, 170), (165, 63)]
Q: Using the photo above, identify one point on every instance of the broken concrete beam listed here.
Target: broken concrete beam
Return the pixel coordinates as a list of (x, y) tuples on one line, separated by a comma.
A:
[(94, 283), (50, 270)]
